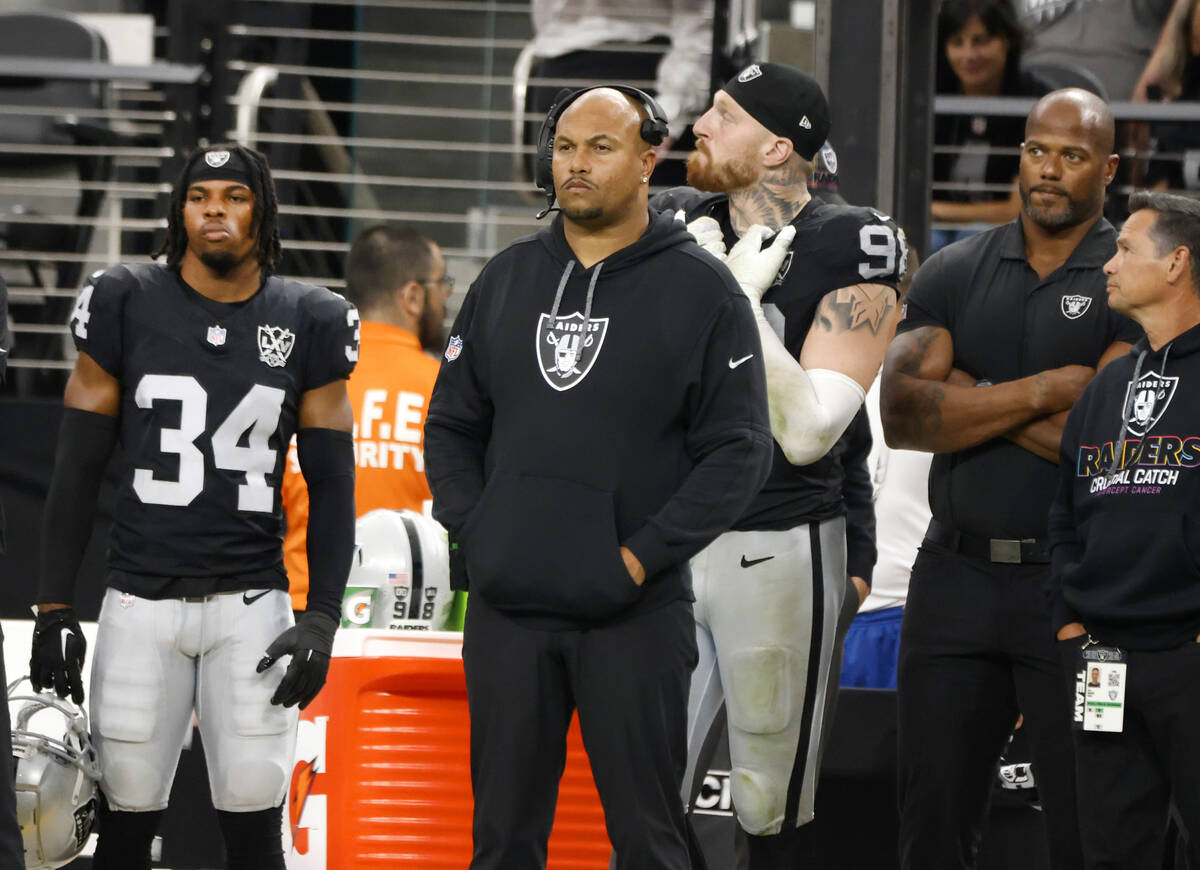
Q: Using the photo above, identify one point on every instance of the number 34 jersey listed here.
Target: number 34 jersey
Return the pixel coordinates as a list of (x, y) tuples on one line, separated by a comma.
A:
[(835, 246), (210, 394)]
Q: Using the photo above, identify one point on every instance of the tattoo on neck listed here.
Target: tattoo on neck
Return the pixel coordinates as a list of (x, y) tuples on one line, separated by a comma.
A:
[(774, 201)]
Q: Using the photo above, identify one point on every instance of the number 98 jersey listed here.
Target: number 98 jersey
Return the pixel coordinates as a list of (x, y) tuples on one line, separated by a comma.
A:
[(835, 246), (210, 395)]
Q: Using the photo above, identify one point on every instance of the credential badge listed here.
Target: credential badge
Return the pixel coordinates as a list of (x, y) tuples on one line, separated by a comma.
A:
[(216, 336), (750, 73), (275, 345), (565, 354), (1074, 307), (1147, 400), (454, 348), (216, 159)]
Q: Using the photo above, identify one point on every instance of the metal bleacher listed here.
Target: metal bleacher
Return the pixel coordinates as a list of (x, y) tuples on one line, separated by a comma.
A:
[(373, 110)]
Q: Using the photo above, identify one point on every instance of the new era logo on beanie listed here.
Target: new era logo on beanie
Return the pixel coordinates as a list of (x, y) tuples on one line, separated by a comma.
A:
[(785, 101)]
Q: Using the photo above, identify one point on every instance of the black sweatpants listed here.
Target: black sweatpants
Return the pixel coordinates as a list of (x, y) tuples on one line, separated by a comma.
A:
[(976, 650), (629, 682), (1128, 780), (12, 848)]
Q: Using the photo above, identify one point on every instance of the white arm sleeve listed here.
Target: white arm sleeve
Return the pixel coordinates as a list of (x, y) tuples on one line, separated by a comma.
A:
[(809, 409)]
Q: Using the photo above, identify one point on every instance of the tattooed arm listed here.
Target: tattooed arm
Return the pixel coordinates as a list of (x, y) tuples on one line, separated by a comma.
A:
[(812, 400), (924, 408)]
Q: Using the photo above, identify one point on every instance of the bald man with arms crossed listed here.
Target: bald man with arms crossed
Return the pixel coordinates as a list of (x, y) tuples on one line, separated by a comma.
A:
[(1002, 332)]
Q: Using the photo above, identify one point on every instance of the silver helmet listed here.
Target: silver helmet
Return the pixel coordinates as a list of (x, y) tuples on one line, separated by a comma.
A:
[(400, 576), (56, 776)]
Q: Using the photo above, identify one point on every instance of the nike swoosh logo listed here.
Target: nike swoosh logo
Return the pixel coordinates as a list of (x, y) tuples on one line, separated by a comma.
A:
[(64, 636), (247, 598), (748, 563), (733, 364)]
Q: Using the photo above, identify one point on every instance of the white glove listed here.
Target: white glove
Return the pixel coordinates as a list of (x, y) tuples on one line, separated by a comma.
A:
[(755, 269), (707, 233)]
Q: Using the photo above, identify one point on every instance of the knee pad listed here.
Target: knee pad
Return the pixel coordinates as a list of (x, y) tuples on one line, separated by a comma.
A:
[(759, 799), (133, 785), (252, 783), (253, 841), (759, 693)]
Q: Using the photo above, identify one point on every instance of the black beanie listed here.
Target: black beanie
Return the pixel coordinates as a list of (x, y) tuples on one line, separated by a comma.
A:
[(219, 164), (785, 101)]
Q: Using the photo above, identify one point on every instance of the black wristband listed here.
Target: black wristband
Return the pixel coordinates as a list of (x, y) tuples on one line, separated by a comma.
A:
[(85, 441), (327, 461)]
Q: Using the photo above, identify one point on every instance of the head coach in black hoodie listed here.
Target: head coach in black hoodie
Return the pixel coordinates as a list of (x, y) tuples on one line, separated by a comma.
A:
[(1125, 533), (600, 417)]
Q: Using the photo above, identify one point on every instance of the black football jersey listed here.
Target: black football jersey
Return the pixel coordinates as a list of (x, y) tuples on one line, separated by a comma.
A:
[(835, 246), (210, 394)]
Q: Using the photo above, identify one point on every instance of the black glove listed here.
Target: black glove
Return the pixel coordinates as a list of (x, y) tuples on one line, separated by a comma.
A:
[(59, 646), (310, 642)]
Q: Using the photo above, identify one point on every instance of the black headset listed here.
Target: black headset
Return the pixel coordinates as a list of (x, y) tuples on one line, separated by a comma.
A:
[(654, 130)]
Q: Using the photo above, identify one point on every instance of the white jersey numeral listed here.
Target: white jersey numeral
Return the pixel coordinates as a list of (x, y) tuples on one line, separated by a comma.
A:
[(80, 316), (352, 320), (877, 240), (193, 405), (260, 408), (258, 411)]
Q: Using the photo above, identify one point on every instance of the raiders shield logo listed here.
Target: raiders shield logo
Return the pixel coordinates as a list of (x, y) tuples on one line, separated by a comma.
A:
[(565, 354), (750, 73), (216, 159), (1147, 400), (275, 345), (1074, 307)]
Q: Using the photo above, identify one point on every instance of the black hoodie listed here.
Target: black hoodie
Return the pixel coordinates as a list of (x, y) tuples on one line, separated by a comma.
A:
[(548, 444), (1125, 532)]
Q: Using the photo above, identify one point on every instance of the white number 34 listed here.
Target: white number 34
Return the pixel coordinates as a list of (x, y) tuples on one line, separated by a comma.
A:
[(258, 412)]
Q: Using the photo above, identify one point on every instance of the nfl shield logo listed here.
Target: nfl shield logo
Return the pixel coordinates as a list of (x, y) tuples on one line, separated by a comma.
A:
[(1147, 400), (566, 350), (1074, 307), (275, 345), (454, 348), (216, 336)]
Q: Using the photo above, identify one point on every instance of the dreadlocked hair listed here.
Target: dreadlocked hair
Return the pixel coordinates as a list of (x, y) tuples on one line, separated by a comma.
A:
[(266, 209)]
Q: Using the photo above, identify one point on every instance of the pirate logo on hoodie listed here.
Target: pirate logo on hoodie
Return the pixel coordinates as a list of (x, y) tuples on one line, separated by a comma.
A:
[(1147, 400), (565, 350)]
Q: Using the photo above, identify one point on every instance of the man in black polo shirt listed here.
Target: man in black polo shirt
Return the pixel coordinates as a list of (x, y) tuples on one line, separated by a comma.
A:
[(1003, 330)]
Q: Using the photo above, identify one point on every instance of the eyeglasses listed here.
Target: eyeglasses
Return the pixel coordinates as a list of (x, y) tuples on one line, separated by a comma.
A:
[(446, 281)]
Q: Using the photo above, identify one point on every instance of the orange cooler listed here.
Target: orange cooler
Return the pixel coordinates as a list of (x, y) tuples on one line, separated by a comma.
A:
[(382, 777)]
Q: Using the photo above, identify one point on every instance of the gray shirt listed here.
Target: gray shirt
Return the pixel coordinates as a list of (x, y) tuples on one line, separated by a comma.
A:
[(1111, 38)]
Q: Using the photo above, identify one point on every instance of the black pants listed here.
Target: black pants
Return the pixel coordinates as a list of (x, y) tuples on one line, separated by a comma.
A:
[(629, 682), (976, 650), (1128, 780), (12, 848)]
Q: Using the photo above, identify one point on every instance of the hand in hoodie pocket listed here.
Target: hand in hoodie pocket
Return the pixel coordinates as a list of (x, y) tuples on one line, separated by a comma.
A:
[(545, 545)]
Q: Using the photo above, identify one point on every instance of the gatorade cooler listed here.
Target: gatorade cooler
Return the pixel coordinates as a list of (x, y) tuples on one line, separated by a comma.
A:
[(382, 777)]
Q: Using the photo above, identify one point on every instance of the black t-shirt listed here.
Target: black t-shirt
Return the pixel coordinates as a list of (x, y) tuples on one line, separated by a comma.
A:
[(1006, 323), (210, 394), (835, 246)]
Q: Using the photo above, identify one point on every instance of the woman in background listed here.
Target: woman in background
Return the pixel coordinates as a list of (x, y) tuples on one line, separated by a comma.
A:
[(981, 43)]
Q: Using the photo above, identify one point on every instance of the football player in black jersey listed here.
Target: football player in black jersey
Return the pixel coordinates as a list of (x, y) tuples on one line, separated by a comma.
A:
[(773, 599), (202, 369)]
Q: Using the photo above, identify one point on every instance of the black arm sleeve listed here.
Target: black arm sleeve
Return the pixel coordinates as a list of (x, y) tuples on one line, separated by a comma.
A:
[(85, 441), (327, 460), (857, 493)]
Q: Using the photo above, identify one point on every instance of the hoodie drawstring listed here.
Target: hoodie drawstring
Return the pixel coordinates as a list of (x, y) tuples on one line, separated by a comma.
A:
[(587, 305), (559, 293)]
